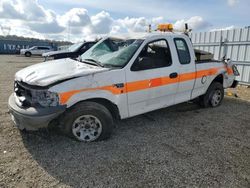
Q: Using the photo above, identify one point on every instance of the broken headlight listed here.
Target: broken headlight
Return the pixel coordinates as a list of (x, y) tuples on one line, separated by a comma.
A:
[(45, 98), (235, 70)]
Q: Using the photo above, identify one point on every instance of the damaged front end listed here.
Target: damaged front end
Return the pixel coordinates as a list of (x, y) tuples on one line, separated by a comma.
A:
[(28, 96), (33, 107)]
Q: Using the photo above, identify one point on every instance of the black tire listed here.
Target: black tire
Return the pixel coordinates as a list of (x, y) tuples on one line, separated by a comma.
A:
[(27, 54), (87, 108), (208, 99)]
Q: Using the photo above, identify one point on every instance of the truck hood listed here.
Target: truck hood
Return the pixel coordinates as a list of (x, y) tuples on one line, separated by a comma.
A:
[(46, 73), (24, 50)]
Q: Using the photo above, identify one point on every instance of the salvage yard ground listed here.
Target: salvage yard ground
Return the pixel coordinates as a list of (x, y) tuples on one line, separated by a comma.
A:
[(183, 145)]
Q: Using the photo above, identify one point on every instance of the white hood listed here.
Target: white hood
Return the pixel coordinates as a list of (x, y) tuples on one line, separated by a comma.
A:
[(47, 73)]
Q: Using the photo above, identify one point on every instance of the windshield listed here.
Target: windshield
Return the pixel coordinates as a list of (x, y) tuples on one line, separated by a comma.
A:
[(75, 46), (113, 51)]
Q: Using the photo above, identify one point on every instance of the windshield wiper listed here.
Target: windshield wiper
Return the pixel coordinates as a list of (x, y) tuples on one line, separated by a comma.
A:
[(93, 62)]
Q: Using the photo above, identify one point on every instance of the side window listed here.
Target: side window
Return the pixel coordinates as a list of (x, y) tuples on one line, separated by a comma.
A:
[(154, 55), (182, 50), (91, 44), (43, 48), (85, 47)]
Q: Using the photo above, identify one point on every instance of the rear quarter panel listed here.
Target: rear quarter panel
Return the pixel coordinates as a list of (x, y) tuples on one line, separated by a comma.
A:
[(206, 73)]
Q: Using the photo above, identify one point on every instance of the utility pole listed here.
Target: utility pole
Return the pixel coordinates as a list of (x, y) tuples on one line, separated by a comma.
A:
[(69, 31)]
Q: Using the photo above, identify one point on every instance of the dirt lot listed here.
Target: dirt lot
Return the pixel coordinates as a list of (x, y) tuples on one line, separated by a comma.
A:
[(181, 146)]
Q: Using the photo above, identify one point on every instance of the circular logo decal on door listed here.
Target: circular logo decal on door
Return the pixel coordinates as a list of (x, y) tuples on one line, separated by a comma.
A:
[(204, 79)]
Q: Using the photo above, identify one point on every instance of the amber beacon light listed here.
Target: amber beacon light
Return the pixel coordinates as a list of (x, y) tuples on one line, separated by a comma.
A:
[(165, 27)]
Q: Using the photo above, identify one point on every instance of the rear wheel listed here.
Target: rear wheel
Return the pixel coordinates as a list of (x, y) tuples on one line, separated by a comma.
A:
[(88, 122), (213, 96), (27, 54)]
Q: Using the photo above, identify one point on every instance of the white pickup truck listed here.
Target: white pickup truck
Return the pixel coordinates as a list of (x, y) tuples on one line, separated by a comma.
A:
[(119, 77)]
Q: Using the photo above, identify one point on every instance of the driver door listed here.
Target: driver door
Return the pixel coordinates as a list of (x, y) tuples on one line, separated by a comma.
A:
[(34, 51), (152, 80)]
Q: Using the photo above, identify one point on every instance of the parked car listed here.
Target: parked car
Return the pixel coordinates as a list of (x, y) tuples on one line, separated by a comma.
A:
[(118, 78), (35, 50), (72, 52)]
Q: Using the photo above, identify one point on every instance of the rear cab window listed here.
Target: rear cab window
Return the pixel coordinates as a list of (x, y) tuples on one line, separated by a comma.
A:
[(182, 51)]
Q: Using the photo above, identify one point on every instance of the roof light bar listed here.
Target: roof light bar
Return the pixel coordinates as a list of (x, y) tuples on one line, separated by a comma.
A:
[(165, 27)]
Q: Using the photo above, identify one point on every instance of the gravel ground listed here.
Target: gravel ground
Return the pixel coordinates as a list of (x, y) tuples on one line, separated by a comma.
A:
[(180, 146), (241, 92)]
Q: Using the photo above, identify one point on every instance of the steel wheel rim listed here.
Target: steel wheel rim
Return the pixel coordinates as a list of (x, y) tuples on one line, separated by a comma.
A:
[(216, 98), (87, 128)]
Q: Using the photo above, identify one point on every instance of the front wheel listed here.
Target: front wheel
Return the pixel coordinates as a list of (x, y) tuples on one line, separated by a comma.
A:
[(27, 54), (88, 122), (214, 95)]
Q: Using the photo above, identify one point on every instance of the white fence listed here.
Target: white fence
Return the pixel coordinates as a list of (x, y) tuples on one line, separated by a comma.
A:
[(234, 44)]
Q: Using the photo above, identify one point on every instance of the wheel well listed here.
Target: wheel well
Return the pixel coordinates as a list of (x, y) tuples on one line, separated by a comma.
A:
[(109, 105), (219, 79)]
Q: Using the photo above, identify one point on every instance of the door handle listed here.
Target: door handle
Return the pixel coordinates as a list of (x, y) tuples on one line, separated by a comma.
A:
[(173, 75)]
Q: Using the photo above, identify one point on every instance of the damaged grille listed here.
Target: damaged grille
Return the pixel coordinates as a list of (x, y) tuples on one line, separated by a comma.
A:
[(23, 94)]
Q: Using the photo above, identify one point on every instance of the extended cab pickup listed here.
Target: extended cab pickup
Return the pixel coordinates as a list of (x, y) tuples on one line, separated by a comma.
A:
[(119, 77)]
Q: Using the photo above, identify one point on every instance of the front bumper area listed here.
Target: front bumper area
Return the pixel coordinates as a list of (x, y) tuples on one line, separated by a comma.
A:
[(22, 52), (32, 118)]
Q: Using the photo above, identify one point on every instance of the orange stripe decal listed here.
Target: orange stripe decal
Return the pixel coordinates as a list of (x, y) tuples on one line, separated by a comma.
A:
[(65, 96), (155, 82), (143, 84), (137, 85), (187, 76), (229, 70)]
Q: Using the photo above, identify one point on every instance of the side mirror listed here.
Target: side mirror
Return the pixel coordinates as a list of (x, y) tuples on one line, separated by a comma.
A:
[(141, 63)]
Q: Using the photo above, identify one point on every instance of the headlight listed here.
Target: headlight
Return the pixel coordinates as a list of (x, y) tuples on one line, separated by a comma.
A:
[(235, 70), (46, 98)]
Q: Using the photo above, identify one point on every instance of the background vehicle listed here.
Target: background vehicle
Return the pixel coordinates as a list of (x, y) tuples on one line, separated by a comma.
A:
[(119, 77), (72, 52), (35, 50)]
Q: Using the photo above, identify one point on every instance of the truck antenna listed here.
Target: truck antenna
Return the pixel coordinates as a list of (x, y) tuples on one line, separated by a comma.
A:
[(149, 28)]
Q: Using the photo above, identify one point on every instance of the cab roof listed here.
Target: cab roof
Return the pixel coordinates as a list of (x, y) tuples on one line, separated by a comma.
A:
[(145, 35)]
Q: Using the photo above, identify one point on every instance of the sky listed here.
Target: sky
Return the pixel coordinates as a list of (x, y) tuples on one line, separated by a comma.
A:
[(79, 20)]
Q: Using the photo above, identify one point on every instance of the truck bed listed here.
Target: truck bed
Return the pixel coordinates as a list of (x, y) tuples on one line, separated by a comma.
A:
[(207, 61), (202, 56)]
